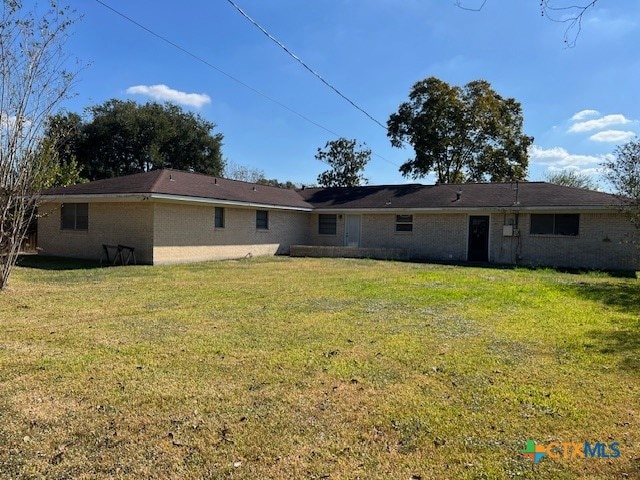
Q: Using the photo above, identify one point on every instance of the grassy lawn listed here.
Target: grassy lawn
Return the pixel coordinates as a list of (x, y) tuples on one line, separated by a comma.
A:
[(315, 368)]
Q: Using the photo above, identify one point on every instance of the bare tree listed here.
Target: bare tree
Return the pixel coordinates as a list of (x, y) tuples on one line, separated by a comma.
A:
[(571, 178), (244, 173), (622, 172), (34, 81), (570, 15)]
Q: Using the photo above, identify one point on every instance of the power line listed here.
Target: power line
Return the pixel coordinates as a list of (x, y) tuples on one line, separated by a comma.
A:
[(316, 74), (231, 77), (219, 70), (301, 62)]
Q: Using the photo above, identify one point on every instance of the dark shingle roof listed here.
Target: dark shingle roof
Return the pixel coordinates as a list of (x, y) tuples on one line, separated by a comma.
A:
[(185, 184), (391, 197), (472, 195)]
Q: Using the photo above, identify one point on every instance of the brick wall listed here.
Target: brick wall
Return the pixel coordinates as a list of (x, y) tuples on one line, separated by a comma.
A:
[(170, 233), (435, 236), (186, 233), (603, 242), (110, 223), (315, 238)]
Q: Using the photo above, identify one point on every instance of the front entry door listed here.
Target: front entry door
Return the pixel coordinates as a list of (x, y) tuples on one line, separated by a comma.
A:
[(352, 231), (478, 239)]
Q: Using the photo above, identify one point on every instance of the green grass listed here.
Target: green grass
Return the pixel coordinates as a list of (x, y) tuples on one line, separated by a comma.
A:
[(314, 368)]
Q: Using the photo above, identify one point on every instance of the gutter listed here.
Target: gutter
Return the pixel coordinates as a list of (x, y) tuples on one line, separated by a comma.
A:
[(513, 209), (164, 198)]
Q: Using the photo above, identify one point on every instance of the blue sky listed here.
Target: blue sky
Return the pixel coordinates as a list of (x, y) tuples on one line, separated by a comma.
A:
[(578, 103)]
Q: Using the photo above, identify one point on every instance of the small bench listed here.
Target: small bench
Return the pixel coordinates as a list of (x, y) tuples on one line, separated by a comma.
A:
[(113, 253)]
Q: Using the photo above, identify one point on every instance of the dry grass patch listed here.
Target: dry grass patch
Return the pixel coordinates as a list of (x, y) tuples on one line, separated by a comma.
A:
[(301, 368)]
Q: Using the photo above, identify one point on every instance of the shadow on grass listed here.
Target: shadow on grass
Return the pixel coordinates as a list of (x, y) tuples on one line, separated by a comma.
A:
[(533, 268), (622, 339), (42, 262), (621, 296)]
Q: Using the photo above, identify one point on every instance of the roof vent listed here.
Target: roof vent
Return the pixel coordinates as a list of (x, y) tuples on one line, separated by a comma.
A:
[(215, 181), (458, 194), (254, 188), (170, 178)]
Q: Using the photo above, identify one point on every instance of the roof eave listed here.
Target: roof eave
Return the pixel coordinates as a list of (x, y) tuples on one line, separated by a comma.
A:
[(236, 203), (501, 209), (162, 197), (94, 197)]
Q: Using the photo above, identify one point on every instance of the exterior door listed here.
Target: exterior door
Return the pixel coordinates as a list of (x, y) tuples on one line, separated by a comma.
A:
[(478, 238), (352, 231)]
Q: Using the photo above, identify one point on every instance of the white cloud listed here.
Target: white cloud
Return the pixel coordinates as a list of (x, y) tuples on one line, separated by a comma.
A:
[(614, 136), (557, 158), (9, 124), (612, 26), (582, 114), (164, 93), (599, 123), (7, 121)]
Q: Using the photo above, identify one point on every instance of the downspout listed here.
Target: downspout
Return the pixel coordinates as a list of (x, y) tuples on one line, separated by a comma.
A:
[(517, 224), (519, 238)]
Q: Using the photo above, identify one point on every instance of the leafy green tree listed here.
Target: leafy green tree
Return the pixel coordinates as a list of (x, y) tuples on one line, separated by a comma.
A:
[(123, 137), (61, 142), (461, 134), (571, 178), (346, 162), (622, 172)]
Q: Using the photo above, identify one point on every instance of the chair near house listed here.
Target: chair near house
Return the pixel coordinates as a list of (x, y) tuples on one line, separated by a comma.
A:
[(113, 253)]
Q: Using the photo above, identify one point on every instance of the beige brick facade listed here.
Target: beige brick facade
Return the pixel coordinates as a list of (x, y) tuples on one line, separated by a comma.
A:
[(434, 236), (186, 233), (111, 223), (164, 232), (173, 232), (605, 241)]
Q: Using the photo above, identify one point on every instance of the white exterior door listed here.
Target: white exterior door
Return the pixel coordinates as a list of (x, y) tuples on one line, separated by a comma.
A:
[(352, 231)]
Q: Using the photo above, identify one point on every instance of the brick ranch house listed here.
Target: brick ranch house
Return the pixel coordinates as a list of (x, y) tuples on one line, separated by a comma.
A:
[(171, 216)]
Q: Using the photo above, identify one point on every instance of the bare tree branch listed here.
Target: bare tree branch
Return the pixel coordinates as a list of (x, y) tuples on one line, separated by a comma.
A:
[(33, 83), (460, 4), (570, 15)]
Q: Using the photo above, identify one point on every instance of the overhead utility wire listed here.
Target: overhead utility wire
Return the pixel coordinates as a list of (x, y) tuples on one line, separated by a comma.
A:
[(202, 60), (299, 60), (316, 74), (210, 65)]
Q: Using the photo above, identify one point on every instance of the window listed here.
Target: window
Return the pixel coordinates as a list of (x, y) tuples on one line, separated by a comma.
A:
[(74, 216), (404, 223), (262, 219), (555, 224), (219, 218), (327, 224)]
